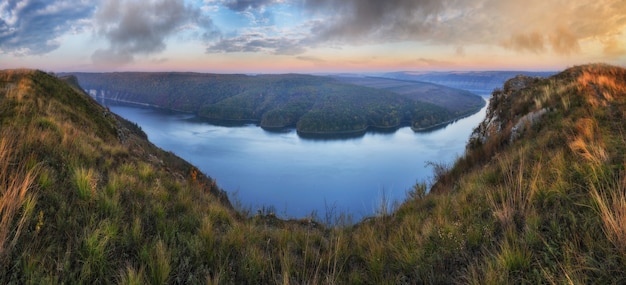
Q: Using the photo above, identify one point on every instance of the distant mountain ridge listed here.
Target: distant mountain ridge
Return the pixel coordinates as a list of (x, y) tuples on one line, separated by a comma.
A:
[(478, 82), (311, 104)]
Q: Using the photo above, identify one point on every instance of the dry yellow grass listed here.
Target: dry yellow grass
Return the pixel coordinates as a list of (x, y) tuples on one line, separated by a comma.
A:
[(602, 85), (611, 203), (591, 152), (514, 197), (17, 201)]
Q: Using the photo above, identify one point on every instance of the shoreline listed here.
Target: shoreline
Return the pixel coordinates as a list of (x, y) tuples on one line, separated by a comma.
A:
[(303, 134)]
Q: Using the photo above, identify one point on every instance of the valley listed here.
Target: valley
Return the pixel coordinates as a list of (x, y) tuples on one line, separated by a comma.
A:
[(312, 142), (537, 197)]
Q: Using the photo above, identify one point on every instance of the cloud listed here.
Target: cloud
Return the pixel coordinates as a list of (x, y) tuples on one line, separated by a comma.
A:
[(459, 51), (563, 41), (373, 20), (312, 59), (433, 62), (532, 42), (614, 48), (257, 42), (140, 27), (30, 27), (258, 12), (259, 18), (243, 5), (159, 60), (534, 26)]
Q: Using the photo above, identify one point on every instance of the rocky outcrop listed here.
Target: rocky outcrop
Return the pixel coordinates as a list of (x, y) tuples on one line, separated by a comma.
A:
[(500, 119)]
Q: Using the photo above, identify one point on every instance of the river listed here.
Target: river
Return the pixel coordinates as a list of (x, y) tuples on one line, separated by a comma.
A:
[(296, 177)]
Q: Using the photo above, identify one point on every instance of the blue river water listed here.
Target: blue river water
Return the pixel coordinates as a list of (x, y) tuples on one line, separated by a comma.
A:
[(298, 177)]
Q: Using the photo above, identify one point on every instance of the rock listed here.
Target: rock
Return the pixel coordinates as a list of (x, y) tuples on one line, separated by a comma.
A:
[(498, 113), (526, 121)]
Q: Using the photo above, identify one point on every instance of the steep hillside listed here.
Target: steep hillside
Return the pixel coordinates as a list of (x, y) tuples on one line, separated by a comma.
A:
[(312, 104), (539, 197), (85, 195), (85, 198)]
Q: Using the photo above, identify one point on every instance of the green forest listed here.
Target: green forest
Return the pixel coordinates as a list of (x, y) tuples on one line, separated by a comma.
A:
[(311, 104)]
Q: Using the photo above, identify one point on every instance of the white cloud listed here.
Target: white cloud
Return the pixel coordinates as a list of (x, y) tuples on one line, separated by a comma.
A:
[(34, 27)]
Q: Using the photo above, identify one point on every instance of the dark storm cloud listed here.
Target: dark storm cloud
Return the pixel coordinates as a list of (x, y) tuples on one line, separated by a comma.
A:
[(34, 27), (254, 10), (140, 27), (372, 20), (534, 26), (257, 42)]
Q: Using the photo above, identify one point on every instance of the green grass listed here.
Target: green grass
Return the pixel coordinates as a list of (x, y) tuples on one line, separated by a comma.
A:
[(158, 260), (131, 276), (85, 181), (82, 205), (17, 196), (95, 252)]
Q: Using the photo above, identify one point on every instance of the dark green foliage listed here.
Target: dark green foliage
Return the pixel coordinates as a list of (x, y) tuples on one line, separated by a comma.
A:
[(459, 102), (312, 104)]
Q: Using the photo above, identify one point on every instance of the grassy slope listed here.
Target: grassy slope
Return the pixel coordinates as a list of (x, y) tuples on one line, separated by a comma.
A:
[(546, 207)]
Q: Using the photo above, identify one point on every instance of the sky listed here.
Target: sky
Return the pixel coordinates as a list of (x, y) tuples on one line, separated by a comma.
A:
[(310, 36)]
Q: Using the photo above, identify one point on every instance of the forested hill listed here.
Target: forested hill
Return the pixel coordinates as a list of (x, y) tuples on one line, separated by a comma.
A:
[(456, 100), (312, 104)]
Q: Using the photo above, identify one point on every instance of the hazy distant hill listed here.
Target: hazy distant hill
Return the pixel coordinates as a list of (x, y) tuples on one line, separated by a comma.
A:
[(479, 82), (312, 104)]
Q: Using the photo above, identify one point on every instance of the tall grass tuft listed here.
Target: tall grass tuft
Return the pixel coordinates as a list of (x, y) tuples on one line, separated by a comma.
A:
[(85, 181), (514, 258), (159, 263), (96, 250), (512, 200), (611, 203), (131, 276), (17, 202)]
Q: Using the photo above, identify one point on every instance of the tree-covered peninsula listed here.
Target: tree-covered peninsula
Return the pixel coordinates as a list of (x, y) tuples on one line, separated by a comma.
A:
[(311, 104)]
